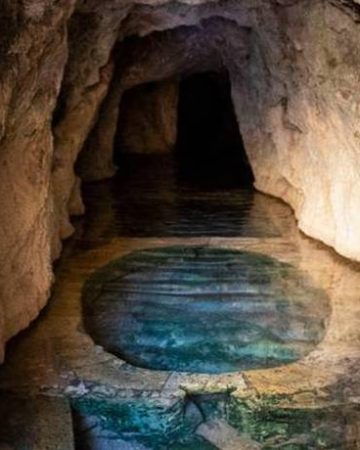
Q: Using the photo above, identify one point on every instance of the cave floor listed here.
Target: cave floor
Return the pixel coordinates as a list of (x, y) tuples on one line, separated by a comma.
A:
[(55, 375)]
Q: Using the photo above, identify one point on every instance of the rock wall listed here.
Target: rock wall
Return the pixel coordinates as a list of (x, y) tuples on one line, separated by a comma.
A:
[(297, 101), (298, 105), (93, 31), (148, 118), (147, 124), (294, 68), (33, 49)]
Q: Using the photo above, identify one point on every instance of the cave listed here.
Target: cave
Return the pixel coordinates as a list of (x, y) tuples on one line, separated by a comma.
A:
[(175, 178), (193, 122), (180, 217)]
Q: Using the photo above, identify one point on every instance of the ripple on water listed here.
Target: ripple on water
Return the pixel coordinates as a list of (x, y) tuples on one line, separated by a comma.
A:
[(204, 310)]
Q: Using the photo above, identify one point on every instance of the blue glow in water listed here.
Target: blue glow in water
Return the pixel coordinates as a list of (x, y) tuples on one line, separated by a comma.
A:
[(203, 309), (105, 424)]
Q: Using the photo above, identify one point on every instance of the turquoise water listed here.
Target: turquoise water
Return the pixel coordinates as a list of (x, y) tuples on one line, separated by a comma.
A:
[(198, 309), (145, 425), (203, 310)]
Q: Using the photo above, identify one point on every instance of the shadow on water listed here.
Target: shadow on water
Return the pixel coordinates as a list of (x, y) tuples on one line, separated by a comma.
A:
[(147, 199), (204, 188)]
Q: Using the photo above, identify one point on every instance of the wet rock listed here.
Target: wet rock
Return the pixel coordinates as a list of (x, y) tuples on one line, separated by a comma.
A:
[(282, 92), (33, 49), (147, 125), (224, 437)]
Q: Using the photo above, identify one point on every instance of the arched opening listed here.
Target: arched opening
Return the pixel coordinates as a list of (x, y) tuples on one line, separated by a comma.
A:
[(180, 266), (193, 122), (182, 165)]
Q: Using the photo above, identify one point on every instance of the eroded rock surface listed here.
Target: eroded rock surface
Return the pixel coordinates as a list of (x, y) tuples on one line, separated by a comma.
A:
[(148, 120), (294, 69), (33, 48)]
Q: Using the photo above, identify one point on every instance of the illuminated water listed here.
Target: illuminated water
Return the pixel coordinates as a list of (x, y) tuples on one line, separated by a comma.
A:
[(143, 425), (167, 274), (201, 309)]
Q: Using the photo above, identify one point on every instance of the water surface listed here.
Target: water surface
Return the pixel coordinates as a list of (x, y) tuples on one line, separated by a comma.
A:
[(204, 309)]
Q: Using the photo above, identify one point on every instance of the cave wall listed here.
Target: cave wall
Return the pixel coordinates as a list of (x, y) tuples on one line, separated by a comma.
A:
[(182, 50), (298, 105), (147, 121), (294, 69), (33, 53), (93, 30)]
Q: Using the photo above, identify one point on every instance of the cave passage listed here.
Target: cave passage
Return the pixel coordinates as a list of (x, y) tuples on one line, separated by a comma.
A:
[(209, 146), (194, 122), (202, 186)]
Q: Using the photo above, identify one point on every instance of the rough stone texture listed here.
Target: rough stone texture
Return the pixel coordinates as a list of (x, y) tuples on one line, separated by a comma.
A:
[(148, 118), (38, 422), (33, 49), (182, 51), (295, 85), (298, 103), (225, 437), (281, 407), (147, 123), (92, 35)]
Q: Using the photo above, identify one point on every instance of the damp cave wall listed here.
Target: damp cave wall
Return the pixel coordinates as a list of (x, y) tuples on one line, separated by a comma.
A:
[(294, 72)]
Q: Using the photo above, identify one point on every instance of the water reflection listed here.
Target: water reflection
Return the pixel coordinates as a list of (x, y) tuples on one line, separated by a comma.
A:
[(147, 198), (321, 390)]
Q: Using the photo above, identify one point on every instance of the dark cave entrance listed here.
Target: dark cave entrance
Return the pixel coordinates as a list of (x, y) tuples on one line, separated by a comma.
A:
[(198, 131), (199, 184), (209, 145)]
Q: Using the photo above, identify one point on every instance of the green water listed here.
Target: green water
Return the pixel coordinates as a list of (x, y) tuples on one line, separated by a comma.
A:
[(152, 426)]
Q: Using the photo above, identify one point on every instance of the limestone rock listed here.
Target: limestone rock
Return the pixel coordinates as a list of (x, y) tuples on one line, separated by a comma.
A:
[(147, 124)]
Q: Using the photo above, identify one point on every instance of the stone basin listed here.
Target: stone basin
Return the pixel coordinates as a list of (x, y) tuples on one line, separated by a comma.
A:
[(204, 310)]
